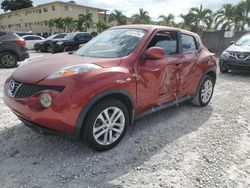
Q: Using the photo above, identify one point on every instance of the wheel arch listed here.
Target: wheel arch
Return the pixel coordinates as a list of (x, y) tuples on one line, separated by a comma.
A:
[(9, 51), (121, 95)]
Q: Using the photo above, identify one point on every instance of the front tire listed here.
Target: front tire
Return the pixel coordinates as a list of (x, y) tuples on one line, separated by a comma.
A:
[(8, 60), (106, 124), (223, 69), (205, 92), (67, 49)]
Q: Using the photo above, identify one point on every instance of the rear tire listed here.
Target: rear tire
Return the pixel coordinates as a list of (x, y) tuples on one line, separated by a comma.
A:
[(205, 92), (105, 125), (8, 60)]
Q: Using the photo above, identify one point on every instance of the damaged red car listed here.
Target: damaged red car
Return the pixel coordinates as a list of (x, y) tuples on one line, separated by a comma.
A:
[(124, 73)]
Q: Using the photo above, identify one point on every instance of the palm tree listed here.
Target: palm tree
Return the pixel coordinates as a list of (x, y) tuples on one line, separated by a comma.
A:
[(242, 11), (84, 22), (167, 20), (201, 17), (188, 22), (59, 24), (225, 17), (101, 26), (141, 18), (69, 24), (51, 24), (118, 16)]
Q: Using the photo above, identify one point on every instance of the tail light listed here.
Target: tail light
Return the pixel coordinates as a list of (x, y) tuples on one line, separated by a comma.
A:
[(20, 42)]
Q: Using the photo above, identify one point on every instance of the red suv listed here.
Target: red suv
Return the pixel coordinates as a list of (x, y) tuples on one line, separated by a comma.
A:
[(124, 73)]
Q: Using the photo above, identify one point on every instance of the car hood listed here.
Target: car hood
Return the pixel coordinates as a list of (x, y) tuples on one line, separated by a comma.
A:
[(40, 68), (235, 48)]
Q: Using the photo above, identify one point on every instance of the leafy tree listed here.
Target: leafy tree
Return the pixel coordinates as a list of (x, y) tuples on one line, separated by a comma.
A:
[(51, 24), (141, 18), (167, 20), (201, 17), (118, 16), (59, 24), (101, 26), (188, 22), (84, 22), (69, 24), (15, 4), (225, 17)]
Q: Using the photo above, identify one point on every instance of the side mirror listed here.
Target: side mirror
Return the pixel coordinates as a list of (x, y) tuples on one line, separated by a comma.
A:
[(232, 42), (155, 53)]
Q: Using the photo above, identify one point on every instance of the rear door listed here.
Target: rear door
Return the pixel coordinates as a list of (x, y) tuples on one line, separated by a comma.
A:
[(190, 55)]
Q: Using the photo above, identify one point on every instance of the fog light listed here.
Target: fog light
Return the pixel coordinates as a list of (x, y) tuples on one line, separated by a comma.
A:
[(45, 100)]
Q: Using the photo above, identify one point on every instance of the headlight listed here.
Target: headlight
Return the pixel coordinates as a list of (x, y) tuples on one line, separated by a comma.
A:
[(68, 71), (225, 55), (59, 43), (45, 100)]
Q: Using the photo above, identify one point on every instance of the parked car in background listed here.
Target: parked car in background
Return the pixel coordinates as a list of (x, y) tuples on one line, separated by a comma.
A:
[(236, 56), (44, 45), (70, 42), (20, 34), (125, 72), (31, 40), (12, 49)]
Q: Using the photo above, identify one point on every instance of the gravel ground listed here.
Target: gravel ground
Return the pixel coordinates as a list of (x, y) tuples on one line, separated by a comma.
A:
[(177, 147)]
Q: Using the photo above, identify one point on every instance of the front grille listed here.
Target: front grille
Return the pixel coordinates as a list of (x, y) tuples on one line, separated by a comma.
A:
[(22, 90), (240, 55)]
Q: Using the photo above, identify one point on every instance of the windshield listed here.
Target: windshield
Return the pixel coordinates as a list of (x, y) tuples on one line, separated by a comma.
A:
[(244, 41), (70, 36), (51, 37), (112, 43)]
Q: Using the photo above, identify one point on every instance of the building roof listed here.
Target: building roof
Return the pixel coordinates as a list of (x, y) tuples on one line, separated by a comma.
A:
[(50, 3)]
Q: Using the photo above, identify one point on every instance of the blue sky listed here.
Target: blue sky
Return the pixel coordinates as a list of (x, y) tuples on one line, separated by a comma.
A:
[(154, 7)]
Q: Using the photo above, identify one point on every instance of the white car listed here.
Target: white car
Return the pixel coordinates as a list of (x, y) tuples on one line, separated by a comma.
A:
[(31, 40)]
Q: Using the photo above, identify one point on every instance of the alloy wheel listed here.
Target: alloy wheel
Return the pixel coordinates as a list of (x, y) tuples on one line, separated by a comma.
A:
[(108, 126), (206, 91), (8, 60)]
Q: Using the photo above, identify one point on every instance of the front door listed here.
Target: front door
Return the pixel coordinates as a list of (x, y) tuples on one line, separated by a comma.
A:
[(158, 80)]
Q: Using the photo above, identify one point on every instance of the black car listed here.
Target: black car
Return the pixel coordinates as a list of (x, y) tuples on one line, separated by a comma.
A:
[(70, 42), (12, 49), (236, 56), (44, 45)]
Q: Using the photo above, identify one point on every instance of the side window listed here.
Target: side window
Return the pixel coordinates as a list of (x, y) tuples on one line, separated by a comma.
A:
[(28, 38), (60, 36), (80, 36), (166, 40), (188, 43)]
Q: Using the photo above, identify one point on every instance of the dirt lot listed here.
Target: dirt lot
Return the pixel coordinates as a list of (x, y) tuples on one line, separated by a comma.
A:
[(177, 147)]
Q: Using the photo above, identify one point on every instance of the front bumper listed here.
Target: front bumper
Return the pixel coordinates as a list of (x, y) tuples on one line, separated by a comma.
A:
[(46, 131), (235, 64), (59, 117), (23, 56)]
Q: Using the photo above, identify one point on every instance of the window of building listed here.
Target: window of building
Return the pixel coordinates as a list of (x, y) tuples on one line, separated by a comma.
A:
[(39, 11), (66, 8), (53, 8), (188, 43), (45, 10)]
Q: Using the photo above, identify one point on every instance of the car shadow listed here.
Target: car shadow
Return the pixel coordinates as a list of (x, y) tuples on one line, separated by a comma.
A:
[(63, 162)]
